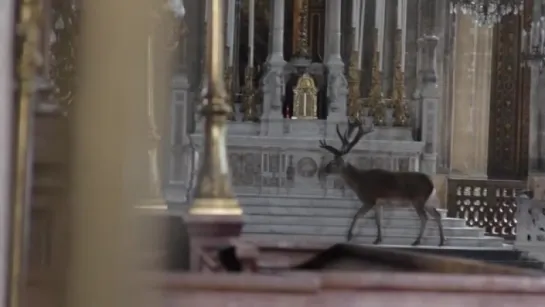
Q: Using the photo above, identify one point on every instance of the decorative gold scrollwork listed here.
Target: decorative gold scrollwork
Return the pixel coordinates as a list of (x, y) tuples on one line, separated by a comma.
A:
[(63, 44)]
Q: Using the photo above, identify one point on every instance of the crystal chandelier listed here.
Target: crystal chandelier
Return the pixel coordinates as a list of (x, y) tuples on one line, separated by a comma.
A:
[(486, 12), (533, 44)]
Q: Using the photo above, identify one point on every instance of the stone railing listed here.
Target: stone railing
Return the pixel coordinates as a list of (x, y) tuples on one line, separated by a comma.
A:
[(282, 166), (485, 203), (530, 236)]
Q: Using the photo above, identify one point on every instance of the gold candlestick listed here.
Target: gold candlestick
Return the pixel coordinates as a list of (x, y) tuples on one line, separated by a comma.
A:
[(228, 76), (213, 193), (401, 112), (376, 101), (302, 44), (248, 99), (355, 103)]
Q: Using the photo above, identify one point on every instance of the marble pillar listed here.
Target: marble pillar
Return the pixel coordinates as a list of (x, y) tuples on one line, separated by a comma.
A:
[(471, 98), (337, 84), (274, 79), (429, 97)]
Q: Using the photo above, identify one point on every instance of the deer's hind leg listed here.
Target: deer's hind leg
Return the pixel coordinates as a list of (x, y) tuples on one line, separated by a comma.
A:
[(362, 211), (437, 217), (419, 208)]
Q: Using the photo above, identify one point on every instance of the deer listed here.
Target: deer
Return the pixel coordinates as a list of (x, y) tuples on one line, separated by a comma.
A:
[(379, 184)]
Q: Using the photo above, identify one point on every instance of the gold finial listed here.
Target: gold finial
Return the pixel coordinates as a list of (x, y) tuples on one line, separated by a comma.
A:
[(213, 193), (248, 99)]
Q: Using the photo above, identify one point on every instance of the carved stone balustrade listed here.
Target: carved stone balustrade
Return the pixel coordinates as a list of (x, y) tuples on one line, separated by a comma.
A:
[(288, 165)]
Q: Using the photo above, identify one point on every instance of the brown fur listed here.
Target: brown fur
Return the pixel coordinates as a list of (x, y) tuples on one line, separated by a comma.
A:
[(377, 184)]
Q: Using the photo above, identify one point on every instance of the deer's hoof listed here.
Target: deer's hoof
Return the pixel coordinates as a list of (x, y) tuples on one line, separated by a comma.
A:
[(348, 237), (442, 242), (377, 241), (416, 243)]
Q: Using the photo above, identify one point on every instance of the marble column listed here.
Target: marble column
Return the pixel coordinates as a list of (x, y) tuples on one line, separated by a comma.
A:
[(429, 96), (274, 79), (471, 98), (337, 83), (277, 56)]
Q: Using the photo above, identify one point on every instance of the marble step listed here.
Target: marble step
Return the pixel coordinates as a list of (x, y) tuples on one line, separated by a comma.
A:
[(328, 230), (313, 202), (344, 221), (309, 202), (398, 241), (387, 212)]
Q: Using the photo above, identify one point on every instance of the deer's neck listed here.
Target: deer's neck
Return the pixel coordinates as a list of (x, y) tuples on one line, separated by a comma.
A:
[(350, 174)]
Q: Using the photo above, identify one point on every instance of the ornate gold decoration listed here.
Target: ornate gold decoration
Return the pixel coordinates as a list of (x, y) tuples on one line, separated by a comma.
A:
[(213, 193), (355, 102), (229, 86), (401, 112), (63, 42), (302, 44), (305, 98), (376, 101), (28, 61), (249, 106)]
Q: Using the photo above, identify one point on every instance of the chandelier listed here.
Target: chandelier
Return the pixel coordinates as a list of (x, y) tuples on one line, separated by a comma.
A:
[(487, 12), (533, 44)]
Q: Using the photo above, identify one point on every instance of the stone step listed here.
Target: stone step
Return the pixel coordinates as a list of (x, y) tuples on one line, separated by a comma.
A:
[(327, 212), (471, 242), (328, 230), (398, 222), (310, 202)]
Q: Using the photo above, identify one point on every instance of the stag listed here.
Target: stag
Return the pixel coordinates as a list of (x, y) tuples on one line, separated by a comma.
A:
[(378, 184)]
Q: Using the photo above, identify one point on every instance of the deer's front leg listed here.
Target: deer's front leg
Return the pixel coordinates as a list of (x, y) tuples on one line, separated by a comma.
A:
[(362, 211), (378, 220)]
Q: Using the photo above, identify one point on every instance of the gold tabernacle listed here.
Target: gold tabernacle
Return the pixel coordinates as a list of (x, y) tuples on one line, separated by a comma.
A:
[(305, 98)]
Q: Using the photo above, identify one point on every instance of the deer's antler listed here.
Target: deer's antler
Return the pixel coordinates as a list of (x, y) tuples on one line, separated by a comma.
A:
[(346, 145), (329, 148)]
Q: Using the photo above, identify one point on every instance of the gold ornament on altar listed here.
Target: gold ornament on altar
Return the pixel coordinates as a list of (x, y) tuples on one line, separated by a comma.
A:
[(305, 98), (355, 102), (376, 101), (248, 96), (401, 112)]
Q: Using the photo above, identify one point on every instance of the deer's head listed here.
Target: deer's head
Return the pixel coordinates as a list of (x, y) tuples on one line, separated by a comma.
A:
[(336, 165)]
